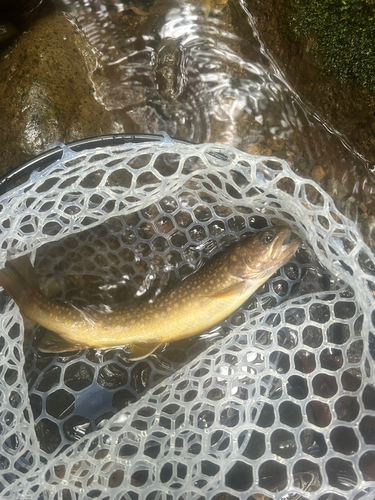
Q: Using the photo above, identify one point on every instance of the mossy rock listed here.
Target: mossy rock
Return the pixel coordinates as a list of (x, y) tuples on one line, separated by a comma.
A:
[(343, 33), (47, 91)]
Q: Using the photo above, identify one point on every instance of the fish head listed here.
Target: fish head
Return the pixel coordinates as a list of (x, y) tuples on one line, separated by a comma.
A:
[(260, 255)]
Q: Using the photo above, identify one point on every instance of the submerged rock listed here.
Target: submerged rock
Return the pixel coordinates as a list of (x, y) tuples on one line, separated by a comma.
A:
[(168, 69), (48, 82)]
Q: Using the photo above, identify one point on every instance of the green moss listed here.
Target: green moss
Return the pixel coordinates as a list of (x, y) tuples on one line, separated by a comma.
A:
[(344, 36)]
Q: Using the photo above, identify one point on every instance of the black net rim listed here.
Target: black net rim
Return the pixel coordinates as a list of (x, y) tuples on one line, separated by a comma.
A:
[(51, 155)]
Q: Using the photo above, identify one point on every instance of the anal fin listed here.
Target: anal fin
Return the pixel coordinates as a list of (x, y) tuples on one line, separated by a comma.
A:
[(51, 342), (143, 350)]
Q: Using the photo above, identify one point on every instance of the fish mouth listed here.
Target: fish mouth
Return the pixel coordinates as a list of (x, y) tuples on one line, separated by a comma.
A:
[(285, 244)]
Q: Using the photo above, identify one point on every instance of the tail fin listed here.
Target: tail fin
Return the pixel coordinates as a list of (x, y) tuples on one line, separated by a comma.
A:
[(19, 280)]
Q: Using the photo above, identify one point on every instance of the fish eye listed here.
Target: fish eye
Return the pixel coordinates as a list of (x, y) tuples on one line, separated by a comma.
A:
[(267, 237)]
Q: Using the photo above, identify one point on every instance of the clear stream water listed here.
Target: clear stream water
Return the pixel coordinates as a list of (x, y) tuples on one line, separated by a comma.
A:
[(200, 74)]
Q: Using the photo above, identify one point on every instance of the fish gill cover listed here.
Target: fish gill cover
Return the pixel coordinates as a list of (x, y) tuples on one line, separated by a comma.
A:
[(277, 402)]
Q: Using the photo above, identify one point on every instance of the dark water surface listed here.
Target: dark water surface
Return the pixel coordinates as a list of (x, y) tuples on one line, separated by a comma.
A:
[(197, 71)]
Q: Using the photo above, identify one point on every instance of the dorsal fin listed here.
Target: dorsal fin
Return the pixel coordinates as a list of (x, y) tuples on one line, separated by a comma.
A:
[(19, 280)]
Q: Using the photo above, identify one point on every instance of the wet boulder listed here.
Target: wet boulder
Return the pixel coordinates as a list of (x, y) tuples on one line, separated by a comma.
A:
[(48, 81)]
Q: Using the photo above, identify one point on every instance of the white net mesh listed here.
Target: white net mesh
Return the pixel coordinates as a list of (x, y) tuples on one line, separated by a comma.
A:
[(277, 402)]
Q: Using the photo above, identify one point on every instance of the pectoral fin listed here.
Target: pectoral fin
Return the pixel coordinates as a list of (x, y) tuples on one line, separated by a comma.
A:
[(143, 350), (51, 342), (230, 291)]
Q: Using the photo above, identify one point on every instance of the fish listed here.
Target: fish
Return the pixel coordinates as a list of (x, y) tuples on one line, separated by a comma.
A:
[(196, 304)]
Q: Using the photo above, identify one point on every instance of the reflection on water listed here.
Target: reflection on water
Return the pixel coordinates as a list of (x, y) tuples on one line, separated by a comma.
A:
[(196, 71), (183, 72)]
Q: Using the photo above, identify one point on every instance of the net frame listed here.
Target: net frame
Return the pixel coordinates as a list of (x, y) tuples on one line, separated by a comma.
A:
[(94, 467)]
